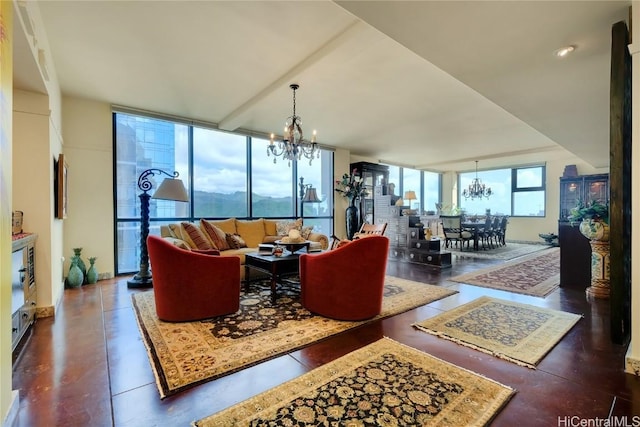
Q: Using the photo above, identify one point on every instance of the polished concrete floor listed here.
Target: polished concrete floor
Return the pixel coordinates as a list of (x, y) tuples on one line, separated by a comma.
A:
[(89, 367)]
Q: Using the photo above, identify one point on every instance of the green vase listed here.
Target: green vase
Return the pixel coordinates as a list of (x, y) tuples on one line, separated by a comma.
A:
[(81, 265), (92, 272), (75, 278)]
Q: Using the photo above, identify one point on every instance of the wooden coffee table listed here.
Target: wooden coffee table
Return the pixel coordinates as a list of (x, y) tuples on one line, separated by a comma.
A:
[(278, 268)]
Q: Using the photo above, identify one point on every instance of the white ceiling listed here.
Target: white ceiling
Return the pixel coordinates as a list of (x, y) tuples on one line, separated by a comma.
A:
[(429, 84)]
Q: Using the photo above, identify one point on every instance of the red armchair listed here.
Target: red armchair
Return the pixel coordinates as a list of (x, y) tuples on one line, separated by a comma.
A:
[(346, 283), (190, 285)]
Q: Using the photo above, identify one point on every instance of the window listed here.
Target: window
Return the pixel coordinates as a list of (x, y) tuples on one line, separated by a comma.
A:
[(411, 182), (431, 186), (219, 174), (528, 187), (514, 191), (272, 193), (426, 185), (226, 175)]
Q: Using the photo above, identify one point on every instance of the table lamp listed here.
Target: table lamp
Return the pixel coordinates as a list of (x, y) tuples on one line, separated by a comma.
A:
[(170, 189), (409, 196)]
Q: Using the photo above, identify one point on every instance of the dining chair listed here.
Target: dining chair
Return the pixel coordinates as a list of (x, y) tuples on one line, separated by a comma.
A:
[(487, 233), (496, 230), (453, 231), (370, 230)]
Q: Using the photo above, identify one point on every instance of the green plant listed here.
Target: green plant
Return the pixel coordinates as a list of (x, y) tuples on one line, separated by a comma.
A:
[(351, 186), (593, 210)]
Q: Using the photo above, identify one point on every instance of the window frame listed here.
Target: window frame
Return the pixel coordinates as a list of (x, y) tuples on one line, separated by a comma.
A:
[(119, 220)]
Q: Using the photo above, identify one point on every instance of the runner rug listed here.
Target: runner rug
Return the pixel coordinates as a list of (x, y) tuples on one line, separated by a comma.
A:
[(536, 274), (509, 251), (383, 384), (189, 353), (516, 332)]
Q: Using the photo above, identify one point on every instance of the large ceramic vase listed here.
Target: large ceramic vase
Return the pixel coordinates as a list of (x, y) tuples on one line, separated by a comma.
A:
[(353, 219), (75, 278), (598, 234)]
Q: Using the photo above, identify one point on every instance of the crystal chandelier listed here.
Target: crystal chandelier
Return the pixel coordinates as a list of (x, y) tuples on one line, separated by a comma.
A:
[(476, 188), (293, 146)]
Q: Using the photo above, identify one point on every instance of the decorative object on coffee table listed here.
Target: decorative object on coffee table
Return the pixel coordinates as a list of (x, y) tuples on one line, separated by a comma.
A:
[(171, 188)]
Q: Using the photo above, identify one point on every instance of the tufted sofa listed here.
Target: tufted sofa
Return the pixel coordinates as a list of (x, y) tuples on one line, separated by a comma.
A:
[(234, 237)]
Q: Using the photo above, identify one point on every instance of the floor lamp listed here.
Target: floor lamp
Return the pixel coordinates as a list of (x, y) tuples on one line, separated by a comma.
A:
[(308, 194), (170, 189)]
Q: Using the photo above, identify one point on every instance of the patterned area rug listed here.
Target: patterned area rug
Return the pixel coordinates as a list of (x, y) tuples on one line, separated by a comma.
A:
[(520, 333), (190, 353), (509, 251), (536, 274), (384, 384)]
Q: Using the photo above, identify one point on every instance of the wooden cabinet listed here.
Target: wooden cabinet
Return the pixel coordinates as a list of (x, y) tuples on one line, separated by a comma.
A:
[(575, 250), (23, 286), (575, 257), (584, 188), (376, 178), (407, 240)]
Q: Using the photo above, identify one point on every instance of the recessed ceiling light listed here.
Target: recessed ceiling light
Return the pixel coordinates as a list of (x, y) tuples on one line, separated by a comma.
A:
[(564, 51)]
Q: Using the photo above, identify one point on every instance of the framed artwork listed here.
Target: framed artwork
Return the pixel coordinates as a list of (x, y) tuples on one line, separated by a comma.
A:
[(62, 172)]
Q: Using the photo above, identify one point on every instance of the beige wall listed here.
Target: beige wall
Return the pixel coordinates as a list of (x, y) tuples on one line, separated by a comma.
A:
[(8, 399), (35, 142), (88, 147)]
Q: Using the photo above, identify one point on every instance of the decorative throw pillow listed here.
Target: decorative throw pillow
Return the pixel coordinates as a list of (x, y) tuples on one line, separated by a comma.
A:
[(178, 242), (198, 238), (306, 231), (235, 241), (283, 227), (175, 231), (217, 237)]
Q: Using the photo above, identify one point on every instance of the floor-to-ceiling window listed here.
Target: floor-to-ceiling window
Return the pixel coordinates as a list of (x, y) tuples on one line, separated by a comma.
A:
[(226, 175), (518, 191), (426, 186)]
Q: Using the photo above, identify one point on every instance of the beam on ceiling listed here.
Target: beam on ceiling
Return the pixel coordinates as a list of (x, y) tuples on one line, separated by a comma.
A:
[(235, 119)]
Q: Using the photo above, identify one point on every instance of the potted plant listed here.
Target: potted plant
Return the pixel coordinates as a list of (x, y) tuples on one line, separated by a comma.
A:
[(594, 210), (594, 225), (593, 218)]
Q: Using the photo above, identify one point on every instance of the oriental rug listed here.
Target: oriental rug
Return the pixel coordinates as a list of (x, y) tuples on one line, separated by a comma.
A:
[(189, 353), (520, 333), (536, 274), (384, 384), (510, 251)]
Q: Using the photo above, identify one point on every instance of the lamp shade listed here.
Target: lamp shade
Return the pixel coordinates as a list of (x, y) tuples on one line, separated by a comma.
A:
[(171, 189), (311, 196), (410, 195)]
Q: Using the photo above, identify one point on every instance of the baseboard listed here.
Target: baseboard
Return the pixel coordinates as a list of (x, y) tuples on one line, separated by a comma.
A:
[(48, 311), (11, 420), (632, 364)]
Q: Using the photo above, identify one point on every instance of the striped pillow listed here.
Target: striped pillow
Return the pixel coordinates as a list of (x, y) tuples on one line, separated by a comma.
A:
[(217, 237), (198, 238)]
